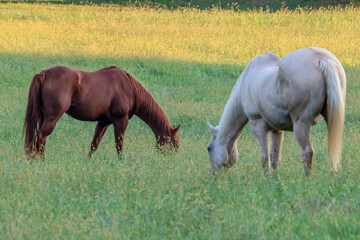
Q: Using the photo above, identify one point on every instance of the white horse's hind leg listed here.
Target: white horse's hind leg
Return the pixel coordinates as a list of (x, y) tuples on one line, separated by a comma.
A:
[(261, 131), (302, 135), (277, 139)]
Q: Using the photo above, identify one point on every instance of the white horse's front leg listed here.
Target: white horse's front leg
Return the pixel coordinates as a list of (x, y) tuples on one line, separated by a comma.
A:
[(261, 131)]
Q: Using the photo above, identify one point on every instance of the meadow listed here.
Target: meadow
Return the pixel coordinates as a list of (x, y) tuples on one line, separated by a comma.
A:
[(189, 59)]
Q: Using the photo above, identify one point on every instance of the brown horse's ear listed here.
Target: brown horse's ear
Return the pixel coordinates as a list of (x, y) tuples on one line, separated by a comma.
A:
[(176, 128)]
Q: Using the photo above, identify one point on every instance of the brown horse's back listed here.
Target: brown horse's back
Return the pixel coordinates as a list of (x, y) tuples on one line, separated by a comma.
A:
[(86, 96)]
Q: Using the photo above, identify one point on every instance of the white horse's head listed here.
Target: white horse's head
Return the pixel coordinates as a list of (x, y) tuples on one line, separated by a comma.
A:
[(221, 155)]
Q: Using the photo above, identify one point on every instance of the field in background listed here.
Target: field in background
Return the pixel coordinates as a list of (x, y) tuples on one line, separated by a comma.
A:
[(189, 59)]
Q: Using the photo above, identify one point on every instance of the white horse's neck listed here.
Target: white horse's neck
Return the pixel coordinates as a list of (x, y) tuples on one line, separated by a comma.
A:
[(233, 120)]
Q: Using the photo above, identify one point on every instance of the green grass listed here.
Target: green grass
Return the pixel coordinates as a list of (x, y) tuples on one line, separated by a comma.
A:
[(189, 60)]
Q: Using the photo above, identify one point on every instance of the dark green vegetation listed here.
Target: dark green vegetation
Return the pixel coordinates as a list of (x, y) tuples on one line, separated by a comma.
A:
[(190, 61), (206, 4)]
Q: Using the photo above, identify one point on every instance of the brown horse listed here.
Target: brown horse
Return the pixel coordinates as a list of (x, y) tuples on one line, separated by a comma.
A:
[(108, 96)]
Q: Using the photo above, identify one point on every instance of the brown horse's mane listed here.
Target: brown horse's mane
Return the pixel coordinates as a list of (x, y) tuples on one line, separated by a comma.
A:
[(109, 67), (147, 108)]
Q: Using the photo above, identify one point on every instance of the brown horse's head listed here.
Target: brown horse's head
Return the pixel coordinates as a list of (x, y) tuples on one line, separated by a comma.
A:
[(169, 142)]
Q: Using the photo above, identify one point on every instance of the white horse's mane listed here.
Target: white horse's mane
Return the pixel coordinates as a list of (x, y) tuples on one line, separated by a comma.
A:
[(233, 109)]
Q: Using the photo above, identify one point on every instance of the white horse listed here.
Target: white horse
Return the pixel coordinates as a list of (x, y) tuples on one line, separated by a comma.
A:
[(288, 94)]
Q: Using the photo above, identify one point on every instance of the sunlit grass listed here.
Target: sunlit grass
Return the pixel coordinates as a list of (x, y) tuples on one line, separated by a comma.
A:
[(225, 37), (189, 60)]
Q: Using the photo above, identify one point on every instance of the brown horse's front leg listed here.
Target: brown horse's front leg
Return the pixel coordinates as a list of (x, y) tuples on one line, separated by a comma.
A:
[(99, 133), (120, 125)]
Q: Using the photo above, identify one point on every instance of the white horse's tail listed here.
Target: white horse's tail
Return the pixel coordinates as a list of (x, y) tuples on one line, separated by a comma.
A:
[(335, 82)]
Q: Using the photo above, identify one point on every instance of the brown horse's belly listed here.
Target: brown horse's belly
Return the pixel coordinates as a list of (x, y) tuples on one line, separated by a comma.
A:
[(85, 113)]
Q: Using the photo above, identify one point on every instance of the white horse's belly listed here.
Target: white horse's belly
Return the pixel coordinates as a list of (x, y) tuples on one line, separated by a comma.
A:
[(278, 118), (281, 121), (272, 111)]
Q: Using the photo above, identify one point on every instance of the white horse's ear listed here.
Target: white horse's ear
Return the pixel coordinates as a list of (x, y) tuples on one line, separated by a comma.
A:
[(212, 129)]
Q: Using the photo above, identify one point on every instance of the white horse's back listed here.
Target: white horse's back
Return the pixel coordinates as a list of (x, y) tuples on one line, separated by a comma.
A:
[(259, 92), (301, 84)]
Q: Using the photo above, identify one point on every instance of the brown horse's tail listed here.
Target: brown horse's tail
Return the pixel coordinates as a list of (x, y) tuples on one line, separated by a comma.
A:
[(33, 116), (335, 82)]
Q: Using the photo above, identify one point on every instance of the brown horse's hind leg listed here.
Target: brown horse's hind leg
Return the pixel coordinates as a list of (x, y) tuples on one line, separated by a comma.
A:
[(119, 131), (277, 139), (100, 130), (45, 130), (302, 135)]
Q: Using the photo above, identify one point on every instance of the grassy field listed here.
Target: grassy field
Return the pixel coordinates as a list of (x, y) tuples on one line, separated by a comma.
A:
[(189, 59)]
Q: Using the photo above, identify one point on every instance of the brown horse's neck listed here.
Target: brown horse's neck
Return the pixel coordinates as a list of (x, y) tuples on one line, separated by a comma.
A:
[(147, 109)]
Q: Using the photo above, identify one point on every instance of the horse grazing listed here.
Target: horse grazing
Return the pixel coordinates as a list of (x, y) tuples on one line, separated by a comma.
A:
[(288, 94), (108, 96)]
